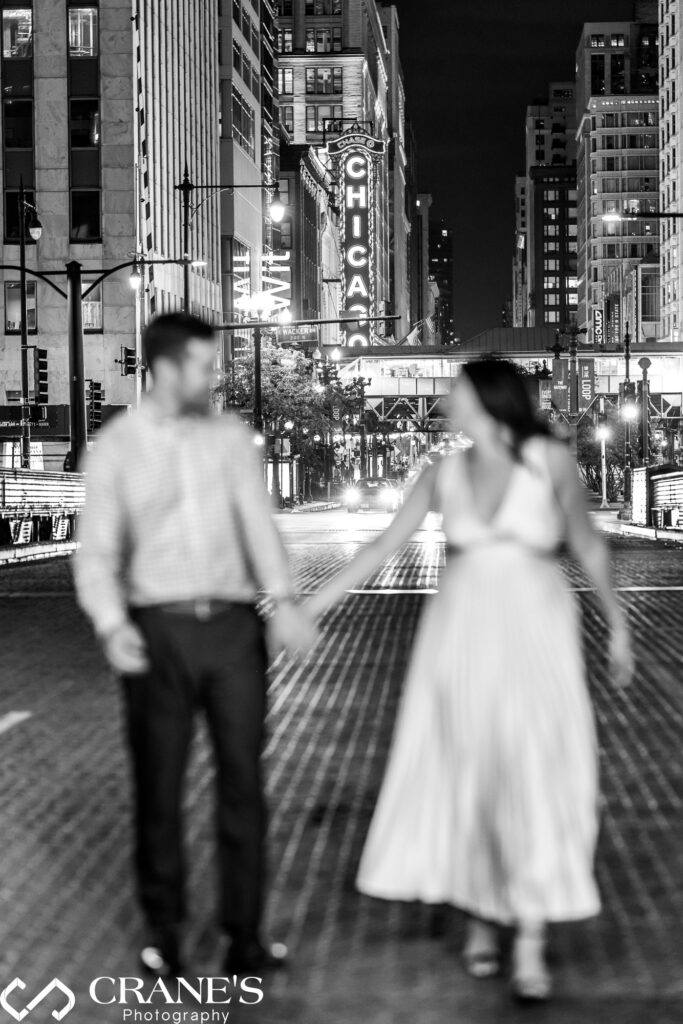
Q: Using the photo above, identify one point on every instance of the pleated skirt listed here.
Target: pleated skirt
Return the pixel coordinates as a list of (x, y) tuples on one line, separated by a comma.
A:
[(489, 800)]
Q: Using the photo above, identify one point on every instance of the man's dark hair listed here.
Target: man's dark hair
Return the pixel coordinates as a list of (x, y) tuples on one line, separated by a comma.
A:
[(168, 334)]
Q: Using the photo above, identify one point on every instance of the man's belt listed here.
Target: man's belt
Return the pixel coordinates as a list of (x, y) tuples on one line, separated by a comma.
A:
[(203, 608)]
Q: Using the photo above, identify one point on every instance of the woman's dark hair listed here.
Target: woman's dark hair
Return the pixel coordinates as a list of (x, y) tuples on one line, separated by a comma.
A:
[(168, 334), (503, 391)]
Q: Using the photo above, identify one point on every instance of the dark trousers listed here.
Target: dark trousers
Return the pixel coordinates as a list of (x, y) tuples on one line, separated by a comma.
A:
[(220, 666)]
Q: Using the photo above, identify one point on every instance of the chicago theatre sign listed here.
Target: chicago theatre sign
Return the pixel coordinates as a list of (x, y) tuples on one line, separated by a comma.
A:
[(357, 154)]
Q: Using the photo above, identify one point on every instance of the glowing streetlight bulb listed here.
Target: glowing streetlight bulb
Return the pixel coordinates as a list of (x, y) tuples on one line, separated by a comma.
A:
[(277, 208), (136, 277)]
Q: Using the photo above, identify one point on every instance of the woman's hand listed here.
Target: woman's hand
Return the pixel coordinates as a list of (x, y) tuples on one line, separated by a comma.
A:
[(621, 654)]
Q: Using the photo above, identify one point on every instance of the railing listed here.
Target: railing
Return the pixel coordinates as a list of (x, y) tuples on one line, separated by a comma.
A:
[(26, 493)]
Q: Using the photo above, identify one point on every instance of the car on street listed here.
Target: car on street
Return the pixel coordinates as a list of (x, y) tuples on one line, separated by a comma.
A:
[(374, 494)]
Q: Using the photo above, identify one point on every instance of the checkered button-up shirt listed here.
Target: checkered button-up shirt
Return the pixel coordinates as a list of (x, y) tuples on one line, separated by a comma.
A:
[(176, 509)]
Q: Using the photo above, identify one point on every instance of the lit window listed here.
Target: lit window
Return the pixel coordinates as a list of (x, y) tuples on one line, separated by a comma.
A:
[(17, 33), (287, 118), (83, 30), (92, 308), (13, 306), (285, 81)]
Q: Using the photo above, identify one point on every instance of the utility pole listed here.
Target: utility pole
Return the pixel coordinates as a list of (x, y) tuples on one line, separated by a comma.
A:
[(25, 459), (78, 429), (628, 452), (186, 189), (645, 365), (258, 400)]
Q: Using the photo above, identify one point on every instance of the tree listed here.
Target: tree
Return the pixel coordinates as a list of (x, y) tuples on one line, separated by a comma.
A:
[(288, 393), (589, 457)]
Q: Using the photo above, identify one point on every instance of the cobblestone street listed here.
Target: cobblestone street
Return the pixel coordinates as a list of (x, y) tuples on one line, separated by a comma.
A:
[(66, 893)]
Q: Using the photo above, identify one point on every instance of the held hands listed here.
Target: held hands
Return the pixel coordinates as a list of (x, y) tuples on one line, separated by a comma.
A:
[(125, 650), (621, 654), (291, 628)]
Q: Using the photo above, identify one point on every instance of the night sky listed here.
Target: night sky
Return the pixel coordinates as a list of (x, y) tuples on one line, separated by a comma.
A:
[(471, 68)]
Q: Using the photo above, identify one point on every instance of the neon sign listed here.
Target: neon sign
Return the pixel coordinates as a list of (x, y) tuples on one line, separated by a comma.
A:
[(357, 153)]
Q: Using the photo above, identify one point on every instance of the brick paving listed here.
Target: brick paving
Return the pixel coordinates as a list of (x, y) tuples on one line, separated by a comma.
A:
[(65, 888)]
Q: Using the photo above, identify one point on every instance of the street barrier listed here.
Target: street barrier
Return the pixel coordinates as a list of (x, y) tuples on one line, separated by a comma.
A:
[(38, 506)]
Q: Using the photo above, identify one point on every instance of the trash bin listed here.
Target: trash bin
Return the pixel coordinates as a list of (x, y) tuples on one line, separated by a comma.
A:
[(657, 516)]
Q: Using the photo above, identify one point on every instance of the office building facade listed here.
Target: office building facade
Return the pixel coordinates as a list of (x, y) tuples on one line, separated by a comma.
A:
[(520, 297), (98, 123), (338, 72), (550, 208), (617, 170), (442, 271), (671, 167)]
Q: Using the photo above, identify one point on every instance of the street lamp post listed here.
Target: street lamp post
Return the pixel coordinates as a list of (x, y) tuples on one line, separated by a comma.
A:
[(78, 430), (603, 433), (627, 413), (186, 187), (35, 230), (645, 365)]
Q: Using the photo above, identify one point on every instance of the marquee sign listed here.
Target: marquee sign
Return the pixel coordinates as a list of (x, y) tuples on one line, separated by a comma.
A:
[(355, 140), (357, 152), (598, 326)]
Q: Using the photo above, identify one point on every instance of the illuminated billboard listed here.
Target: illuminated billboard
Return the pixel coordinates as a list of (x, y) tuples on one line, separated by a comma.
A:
[(357, 153)]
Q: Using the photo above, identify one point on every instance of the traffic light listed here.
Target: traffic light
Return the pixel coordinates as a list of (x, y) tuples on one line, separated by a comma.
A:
[(128, 361), (40, 376), (95, 396)]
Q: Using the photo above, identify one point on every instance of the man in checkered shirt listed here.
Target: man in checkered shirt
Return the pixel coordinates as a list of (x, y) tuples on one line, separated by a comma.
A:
[(176, 538)]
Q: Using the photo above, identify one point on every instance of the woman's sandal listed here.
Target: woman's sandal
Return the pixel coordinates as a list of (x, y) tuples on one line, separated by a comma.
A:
[(530, 986), (483, 963)]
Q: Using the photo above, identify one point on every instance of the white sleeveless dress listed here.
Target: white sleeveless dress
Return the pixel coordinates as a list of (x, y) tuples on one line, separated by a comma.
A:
[(490, 797)]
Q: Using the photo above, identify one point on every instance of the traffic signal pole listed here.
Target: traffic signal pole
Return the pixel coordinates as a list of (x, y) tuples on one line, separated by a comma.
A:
[(78, 430)]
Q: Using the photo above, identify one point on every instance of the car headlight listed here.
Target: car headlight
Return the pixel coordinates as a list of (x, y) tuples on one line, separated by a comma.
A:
[(352, 496), (388, 496)]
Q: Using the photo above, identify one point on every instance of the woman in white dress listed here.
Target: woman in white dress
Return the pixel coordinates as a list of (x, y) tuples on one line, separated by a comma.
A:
[(490, 796)]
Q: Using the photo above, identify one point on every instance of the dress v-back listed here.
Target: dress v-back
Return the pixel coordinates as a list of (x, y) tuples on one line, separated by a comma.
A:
[(490, 795)]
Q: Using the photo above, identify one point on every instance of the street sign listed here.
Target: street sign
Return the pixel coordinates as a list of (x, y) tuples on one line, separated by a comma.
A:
[(53, 422), (11, 414), (53, 427), (298, 334), (586, 383)]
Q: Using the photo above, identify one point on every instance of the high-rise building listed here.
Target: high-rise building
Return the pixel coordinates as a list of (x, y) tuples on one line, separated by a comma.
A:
[(520, 297), (550, 209), (339, 75), (441, 270), (424, 325), (617, 169), (671, 169), (99, 152), (249, 150)]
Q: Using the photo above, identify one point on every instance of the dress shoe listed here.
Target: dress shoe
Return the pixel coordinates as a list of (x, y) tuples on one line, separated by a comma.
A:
[(160, 957), (251, 957)]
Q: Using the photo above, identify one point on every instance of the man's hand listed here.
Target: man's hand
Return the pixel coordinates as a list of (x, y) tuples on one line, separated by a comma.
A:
[(291, 628), (126, 651)]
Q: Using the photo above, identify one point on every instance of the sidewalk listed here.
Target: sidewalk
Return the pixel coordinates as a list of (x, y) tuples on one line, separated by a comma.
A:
[(608, 521), (313, 506)]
